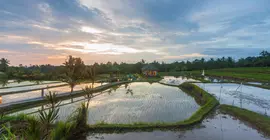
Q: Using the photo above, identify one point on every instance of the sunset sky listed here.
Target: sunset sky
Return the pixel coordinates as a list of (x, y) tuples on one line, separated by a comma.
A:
[(47, 31)]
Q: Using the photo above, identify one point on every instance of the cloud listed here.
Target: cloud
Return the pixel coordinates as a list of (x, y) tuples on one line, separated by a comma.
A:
[(129, 30), (62, 57), (185, 56), (102, 48), (4, 51), (90, 30)]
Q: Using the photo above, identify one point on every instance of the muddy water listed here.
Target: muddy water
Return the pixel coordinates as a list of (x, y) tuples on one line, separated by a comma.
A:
[(217, 127), (135, 102), (35, 94), (249, 97), (171, 80)]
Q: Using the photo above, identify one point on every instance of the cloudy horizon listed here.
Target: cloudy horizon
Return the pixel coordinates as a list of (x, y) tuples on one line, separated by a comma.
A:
[(47, 31)]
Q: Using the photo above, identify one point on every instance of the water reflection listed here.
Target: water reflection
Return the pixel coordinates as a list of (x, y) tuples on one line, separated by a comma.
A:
[(37, 93), (3, 82), (215, 127), (171, 80), (138, 102), (249, 97)]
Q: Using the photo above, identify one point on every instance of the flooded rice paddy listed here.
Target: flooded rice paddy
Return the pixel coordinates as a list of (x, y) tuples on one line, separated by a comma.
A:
[(134, 102), (248, 97), (215, 127), (13, 83), (171, 80), (37, 93)]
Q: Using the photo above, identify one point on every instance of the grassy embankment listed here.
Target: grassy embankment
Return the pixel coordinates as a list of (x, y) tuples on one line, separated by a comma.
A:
[(207, 102), (260, 122)]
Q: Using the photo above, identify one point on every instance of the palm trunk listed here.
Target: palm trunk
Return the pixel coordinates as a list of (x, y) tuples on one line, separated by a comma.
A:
[(71, 91)]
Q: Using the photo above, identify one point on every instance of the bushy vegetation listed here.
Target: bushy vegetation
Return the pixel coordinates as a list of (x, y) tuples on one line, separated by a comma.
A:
[(45, 126), (49, 72)]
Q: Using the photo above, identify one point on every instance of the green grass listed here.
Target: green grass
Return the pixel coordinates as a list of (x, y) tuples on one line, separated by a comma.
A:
[(259, 121), (259, 74)]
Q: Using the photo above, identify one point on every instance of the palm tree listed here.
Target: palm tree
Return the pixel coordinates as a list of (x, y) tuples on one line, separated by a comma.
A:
[(91, 73), (74, 71), (4, 63)]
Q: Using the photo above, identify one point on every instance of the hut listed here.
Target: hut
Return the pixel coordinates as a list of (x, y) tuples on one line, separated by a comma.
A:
[(150, 70)]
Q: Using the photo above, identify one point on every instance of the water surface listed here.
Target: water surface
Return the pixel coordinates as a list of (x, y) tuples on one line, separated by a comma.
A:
[(171, 80), (135, 102), (248, 97), (37, 93), (217, 127)]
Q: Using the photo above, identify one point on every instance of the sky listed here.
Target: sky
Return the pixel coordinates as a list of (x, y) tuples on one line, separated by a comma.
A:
[(47, 31)]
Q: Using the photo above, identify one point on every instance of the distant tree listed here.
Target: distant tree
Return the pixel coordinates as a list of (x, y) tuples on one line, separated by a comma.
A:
[(265, 54), (143, 61), (4, 63)]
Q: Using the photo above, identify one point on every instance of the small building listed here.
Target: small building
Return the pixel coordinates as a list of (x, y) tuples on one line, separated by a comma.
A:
[(150, 70)]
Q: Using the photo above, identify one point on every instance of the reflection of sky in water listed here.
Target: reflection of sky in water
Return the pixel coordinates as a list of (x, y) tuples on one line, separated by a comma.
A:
[(29, 87), (146, 103), (171, 80), (252, 98), (218, 127), (35, 94), (14, 83)]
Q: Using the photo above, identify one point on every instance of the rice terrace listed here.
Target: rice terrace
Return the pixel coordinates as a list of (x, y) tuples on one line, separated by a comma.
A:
[(128, 70)]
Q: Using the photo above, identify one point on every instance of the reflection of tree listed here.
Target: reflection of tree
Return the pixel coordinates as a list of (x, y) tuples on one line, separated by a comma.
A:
[(151, 83), (4, 82), (18, 81), (114, 88), (109, 91), (36, 82), (128, 89), (126, 86), (211, 79)]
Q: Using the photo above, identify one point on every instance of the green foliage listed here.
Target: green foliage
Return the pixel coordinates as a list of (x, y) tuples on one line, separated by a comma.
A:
[(74, 71), (47, 118), (4, 63), (74, 68), (88, 91), (62, 131), (91, 73), (6, 133), (82, 115), (52, 99), (33, 131)]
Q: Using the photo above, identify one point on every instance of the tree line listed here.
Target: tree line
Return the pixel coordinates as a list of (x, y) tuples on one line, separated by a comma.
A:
[(50, 72)]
